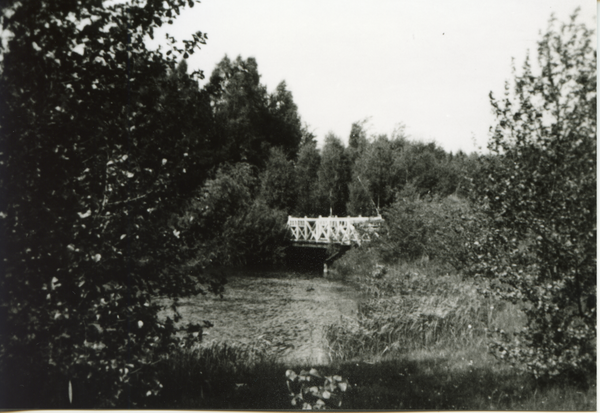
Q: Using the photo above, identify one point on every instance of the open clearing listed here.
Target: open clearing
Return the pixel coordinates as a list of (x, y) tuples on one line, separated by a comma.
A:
[(285, 314)]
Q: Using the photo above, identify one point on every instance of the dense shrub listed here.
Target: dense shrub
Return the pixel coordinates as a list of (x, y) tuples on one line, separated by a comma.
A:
[(539, 192), (435, 228), (95, 152), (358, 260), (256, 236), (226, 223)]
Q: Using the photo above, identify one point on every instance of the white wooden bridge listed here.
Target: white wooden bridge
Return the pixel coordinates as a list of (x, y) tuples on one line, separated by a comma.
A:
[(321, 231)]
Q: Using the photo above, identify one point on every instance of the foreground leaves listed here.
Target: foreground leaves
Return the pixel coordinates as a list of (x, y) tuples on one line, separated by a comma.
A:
[(310, 390), (94, 155), (539, 191)]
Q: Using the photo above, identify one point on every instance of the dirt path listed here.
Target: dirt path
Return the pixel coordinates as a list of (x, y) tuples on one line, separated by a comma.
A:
[(318, 303), (287, 315)]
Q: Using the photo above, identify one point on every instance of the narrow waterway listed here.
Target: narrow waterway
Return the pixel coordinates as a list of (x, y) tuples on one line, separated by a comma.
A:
[(283, 312)]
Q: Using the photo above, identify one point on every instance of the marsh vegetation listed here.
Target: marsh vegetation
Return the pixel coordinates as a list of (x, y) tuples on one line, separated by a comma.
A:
[(416, 338)]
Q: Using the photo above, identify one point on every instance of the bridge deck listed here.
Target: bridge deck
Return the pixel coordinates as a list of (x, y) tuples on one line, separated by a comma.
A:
[(327, 230)]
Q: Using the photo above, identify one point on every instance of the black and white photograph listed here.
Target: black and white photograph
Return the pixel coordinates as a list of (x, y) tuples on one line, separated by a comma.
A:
[(298, 204)]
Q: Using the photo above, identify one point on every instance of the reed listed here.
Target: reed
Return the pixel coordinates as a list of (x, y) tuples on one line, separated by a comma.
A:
[(415, 308), (220, 376)]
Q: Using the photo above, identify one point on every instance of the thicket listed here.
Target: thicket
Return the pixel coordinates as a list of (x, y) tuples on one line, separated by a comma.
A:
[(538, 188), (226, 222), (428, 228), (104, 144)]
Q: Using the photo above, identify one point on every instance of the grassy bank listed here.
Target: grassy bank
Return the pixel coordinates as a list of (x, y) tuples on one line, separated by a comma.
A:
[(223, 377), (418, 306), (419, 341)]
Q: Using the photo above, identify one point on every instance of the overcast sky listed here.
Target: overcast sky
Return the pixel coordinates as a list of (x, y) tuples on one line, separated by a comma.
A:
[(428, 64)]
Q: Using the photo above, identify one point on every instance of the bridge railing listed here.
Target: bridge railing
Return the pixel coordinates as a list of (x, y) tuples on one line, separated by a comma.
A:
[(326, 230)]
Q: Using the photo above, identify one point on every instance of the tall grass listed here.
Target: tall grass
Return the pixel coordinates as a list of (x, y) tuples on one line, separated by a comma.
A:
[(439, 383), (221, 376), (416, 306), (234, 377)]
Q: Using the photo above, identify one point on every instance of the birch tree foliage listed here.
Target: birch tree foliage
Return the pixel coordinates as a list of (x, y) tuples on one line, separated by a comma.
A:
[(91, 158), (540, 195)]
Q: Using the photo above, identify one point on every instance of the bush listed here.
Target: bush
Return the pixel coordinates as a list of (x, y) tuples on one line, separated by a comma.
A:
[(356, 261), (538, 189), (93, 158), (257, 236), (435, 228), (225, 224)]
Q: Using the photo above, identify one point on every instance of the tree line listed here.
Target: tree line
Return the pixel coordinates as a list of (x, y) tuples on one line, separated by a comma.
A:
[(367, 175)]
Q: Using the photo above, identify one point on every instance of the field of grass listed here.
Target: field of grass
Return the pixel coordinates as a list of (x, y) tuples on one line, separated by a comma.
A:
[(414, 338), (285, 314)]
